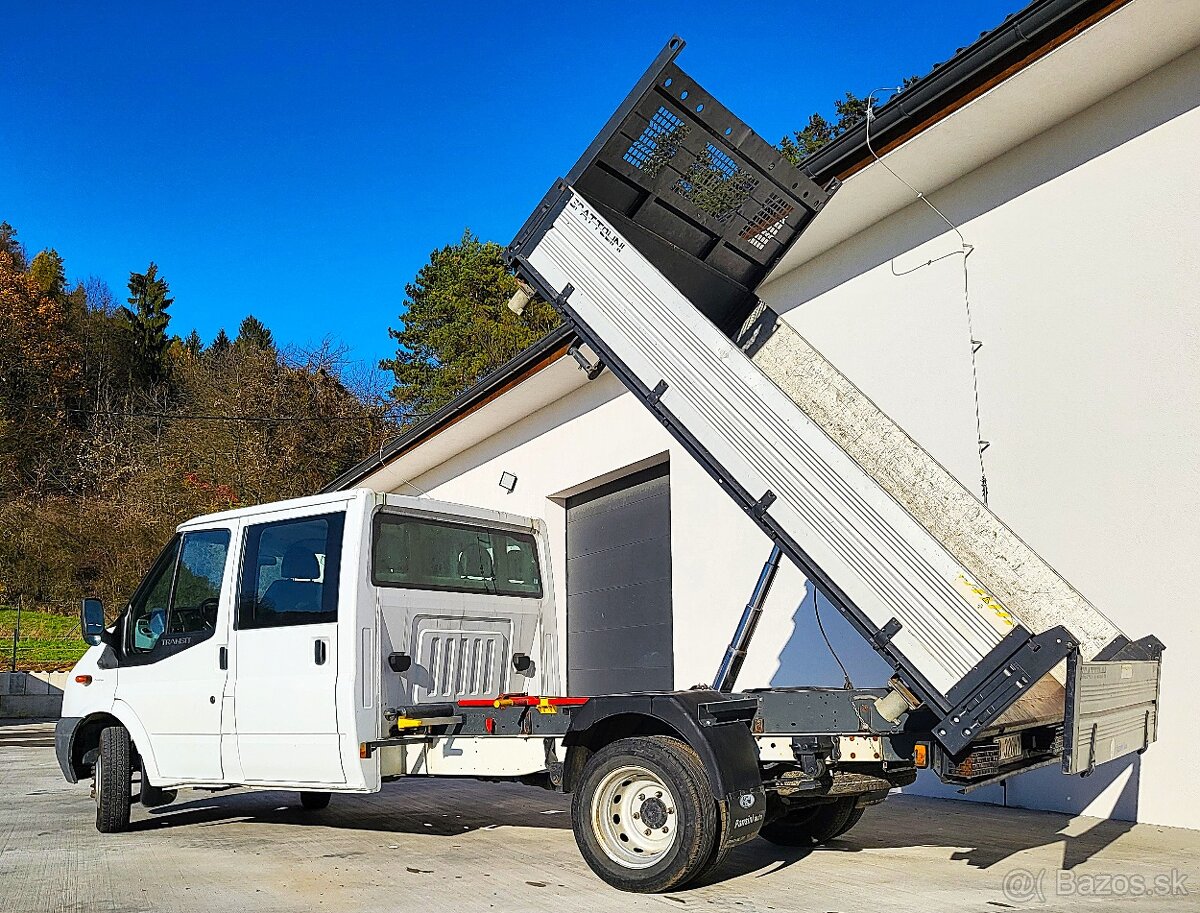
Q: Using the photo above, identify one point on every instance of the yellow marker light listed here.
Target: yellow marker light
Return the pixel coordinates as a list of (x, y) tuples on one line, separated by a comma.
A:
[(921, 754)]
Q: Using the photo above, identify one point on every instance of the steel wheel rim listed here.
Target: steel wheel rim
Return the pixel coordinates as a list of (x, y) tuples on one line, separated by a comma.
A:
[(97, 779), (630, 801)]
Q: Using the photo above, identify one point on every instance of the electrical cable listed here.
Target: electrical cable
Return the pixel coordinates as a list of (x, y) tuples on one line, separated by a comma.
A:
[(966, 250), (832, 652), (203, 417)]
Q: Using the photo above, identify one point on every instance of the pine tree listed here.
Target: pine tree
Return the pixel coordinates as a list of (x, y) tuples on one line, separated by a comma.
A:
[(11, 246), (220, 344), (253, 333), (193, 344), (457, 326), (48, 274), (147, 321), (850, 110)]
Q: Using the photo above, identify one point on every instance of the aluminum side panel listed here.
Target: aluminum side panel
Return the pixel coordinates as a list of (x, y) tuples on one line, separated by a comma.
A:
[(885, 562), (1113, 711)]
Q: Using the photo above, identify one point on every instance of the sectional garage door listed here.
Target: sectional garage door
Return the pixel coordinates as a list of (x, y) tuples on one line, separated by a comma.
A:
[(619, 628)]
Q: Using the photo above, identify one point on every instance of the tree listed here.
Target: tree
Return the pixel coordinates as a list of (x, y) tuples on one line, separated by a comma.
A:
[(147, 320), (11, 246), (220, 344), (98, 463), (48, 274), (456, 325), (193, 344), (40, 381), (850, 110), (254, 333)]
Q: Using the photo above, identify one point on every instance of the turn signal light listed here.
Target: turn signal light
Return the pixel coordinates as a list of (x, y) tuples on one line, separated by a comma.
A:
[(83, 679), (921, 754), (363, 751)]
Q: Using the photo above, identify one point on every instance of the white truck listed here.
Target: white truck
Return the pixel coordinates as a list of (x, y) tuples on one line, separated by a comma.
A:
[(332, 643)]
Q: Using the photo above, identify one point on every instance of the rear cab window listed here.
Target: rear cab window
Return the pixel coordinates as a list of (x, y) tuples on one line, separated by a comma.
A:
[(425, 554)]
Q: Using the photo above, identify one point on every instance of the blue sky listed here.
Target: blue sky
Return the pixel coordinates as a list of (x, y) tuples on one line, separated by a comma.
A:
[(300, 161)]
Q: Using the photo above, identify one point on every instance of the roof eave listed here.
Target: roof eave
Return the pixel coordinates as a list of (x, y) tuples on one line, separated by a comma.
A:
[(1019, 40)]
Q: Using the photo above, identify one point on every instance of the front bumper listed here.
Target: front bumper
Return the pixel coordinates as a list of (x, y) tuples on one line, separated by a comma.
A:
[(64, 738)]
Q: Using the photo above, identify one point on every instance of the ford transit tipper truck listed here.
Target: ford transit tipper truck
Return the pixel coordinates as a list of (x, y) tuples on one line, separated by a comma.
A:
[(333, 643)]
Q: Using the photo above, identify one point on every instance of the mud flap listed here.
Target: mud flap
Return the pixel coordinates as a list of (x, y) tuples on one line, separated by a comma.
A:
[(745, 812)]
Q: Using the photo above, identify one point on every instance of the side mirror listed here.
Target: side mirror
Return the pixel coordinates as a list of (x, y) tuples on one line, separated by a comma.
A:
[(91, 621)]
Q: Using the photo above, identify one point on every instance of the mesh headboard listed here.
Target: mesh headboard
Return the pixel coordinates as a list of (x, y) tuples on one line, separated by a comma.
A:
[(703, 197)]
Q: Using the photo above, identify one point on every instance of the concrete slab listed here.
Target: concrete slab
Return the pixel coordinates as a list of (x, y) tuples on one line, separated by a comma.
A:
[(465, 846)]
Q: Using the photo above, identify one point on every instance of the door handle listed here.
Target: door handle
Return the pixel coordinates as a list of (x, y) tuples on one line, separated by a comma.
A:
[(223, 657), (319, 652)]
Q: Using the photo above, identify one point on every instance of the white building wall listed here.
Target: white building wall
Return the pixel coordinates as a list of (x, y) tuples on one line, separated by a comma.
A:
[(1085, 288), (1084, 285)]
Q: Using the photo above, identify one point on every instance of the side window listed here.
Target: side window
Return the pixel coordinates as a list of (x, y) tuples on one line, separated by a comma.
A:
[(437, 555), (198, 582), (182, 593), (290, 572)]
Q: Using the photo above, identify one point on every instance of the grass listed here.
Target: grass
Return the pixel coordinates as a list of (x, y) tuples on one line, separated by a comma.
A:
[(47, 641)]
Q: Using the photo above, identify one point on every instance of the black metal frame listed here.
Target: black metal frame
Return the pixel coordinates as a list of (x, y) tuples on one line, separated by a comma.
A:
[(708, 201)]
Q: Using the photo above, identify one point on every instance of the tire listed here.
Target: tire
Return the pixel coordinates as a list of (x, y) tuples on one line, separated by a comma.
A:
[(813, 826), (720, 850), (655, 780), (113, 780), (154, 796), (314, 802), (851, 821)]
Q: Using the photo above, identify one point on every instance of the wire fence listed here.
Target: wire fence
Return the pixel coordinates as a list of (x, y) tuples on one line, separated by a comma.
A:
[(40, 637)]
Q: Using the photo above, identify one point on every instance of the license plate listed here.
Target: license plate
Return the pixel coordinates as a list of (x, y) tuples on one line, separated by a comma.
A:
[(1010, 747)]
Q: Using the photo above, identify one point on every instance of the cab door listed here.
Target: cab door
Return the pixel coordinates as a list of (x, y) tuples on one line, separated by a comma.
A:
[(285, 649), (171, 672)]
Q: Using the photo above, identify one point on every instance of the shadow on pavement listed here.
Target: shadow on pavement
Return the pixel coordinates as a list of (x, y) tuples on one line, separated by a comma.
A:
[(981, 836), (391, 811)]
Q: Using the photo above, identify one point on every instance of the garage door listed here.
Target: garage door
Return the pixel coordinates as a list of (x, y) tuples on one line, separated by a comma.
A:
[(619, 630)]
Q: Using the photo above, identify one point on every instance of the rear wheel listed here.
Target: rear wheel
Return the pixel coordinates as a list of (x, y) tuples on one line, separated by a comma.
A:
[(112, 782), (644, 815), (813, 826), (314, 802)]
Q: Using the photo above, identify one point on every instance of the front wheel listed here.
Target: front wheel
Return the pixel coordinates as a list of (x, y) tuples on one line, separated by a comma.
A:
[(113, 780), (644, 815)]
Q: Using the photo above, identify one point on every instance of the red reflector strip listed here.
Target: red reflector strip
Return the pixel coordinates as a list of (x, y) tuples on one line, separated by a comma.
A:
[(524, 700)]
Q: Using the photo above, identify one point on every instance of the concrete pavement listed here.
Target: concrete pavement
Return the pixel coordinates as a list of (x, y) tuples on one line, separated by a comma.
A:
[(466, 846)]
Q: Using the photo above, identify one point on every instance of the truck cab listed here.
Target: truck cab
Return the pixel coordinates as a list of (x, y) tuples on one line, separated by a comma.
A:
[(264, 643)]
